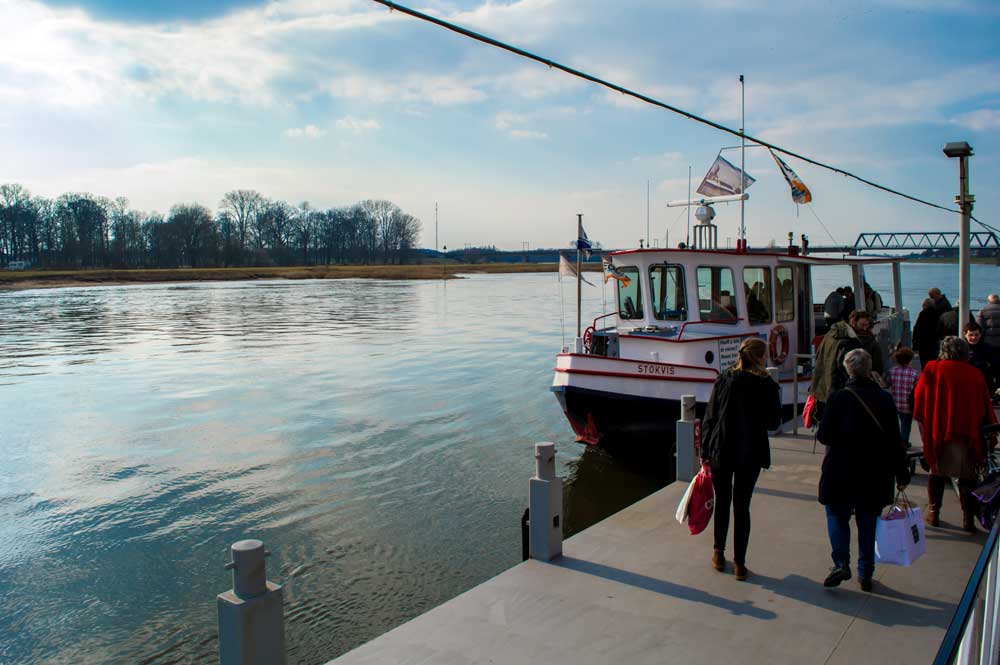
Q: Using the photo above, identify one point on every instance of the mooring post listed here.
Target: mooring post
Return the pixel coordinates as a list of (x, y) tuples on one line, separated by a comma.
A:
[(688, 440), (251, 616), (545, 503)]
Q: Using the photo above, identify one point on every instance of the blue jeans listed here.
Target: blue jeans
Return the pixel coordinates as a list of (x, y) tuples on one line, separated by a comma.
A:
[(838, 525), (905, 425)]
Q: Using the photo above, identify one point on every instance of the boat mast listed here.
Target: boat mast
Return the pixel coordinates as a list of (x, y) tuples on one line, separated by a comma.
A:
[(579, 270), (743, 160)]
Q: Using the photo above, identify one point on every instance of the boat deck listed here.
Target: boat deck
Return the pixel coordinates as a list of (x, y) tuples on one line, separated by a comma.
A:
[(637, 588)]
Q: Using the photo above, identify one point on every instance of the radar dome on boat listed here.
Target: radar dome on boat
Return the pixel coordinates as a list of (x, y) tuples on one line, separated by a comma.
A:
[(705, 214)]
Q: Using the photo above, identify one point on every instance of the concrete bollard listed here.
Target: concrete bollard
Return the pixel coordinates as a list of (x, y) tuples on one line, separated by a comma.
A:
[(688, 436), (545, 501), (251, 616)]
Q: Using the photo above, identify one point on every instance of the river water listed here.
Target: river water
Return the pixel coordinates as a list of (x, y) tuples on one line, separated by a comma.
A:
[(376, 435)]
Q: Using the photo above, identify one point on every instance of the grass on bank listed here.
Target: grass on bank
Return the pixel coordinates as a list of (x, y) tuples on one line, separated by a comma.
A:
[(33, 279)]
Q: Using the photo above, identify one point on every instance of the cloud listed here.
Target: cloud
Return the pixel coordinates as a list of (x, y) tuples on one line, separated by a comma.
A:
[(357, 125), (65, 58), (414, 88), (307, 132), (527, 134), (979, 120), (510, 123)]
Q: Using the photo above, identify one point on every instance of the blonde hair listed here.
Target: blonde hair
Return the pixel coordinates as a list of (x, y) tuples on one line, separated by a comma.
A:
[(751, 356)]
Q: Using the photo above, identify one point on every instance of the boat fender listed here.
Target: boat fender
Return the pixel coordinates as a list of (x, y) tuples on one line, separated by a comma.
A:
[(777, 344)]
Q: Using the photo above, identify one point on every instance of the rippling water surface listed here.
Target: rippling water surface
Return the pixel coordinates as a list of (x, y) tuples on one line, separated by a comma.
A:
[(376, 435)]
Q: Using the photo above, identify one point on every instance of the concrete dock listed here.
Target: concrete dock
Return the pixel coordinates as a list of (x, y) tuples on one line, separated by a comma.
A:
[(637, 588)]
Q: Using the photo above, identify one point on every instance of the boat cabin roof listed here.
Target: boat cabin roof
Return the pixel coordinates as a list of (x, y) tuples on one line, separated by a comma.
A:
[(742, 258)]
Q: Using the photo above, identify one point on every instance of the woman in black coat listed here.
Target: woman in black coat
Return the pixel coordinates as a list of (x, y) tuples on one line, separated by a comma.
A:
[(925, 337), (745, 405), (864, 454)]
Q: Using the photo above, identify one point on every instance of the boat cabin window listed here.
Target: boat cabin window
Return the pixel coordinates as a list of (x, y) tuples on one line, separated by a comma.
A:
[(667, 285), (784, 290), (716, 301), (757, 291), (629, 294)]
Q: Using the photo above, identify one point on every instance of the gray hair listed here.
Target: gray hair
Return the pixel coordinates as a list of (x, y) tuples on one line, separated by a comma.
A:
[(858, 364), (993, 298), (954, 348), (927, 303)]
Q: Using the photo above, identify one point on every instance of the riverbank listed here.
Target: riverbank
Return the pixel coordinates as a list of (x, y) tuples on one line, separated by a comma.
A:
[(41, 279)]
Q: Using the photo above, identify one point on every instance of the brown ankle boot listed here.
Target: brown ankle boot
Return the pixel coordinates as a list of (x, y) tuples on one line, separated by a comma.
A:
[(932, 518), (718, 560), (741, 572)]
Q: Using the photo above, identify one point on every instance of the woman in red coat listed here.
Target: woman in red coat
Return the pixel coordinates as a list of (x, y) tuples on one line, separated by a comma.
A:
[(950, 403)]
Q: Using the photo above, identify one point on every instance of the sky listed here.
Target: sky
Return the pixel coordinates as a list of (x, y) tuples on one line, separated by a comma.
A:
[(336, 101)]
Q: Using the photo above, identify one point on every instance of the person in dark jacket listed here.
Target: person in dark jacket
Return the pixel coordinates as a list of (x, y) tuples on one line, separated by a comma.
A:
[(925, 339), (989, 320), (941, 302), (982, 356), (848, 302), (745, 405), (947, 325), (864, 454)]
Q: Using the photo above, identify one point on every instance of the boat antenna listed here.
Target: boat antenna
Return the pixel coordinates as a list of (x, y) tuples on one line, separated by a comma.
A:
[(743, 160), (647, 212)]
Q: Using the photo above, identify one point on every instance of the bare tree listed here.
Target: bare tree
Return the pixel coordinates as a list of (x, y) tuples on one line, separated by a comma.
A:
[(243, 206)]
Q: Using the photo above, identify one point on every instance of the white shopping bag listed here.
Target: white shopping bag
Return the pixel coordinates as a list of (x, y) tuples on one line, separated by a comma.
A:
[(899, 536), (682, 507)]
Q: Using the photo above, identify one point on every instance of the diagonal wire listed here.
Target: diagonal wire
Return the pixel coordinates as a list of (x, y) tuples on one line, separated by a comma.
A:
[(649, 100), (822, 224)]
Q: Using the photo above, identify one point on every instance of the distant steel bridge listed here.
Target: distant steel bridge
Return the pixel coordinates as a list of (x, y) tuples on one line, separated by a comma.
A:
[(916, 240)]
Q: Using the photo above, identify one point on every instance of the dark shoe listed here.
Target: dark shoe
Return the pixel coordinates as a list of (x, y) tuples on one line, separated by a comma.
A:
[(837, 575), (866, 584), (719, 560), (932, 518), (741, 572)]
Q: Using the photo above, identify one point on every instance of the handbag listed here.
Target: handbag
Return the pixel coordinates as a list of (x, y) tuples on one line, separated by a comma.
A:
[(702, 502), (809, 412), (682, 508), (899, 533)]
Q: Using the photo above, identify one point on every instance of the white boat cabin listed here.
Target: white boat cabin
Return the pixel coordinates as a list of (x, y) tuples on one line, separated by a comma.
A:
[(691, 309)]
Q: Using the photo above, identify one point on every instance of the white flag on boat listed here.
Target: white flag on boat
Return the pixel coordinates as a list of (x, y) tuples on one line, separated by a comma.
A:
[(567, 269), (800, 193), (723, 179)]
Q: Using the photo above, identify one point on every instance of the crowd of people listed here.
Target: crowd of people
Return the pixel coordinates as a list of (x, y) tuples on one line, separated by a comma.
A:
[(865, 417)]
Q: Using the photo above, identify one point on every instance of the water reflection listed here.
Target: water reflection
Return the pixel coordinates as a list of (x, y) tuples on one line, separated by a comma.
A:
[(377, 435)]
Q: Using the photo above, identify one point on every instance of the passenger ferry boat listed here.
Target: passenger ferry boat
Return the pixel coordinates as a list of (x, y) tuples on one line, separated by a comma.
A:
[(680, 317)]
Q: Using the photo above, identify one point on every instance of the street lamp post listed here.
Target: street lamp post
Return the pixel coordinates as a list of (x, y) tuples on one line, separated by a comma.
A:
[(964, 200)]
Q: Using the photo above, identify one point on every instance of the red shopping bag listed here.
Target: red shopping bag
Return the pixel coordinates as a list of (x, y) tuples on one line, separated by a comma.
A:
[(702, 501), (809, 412)]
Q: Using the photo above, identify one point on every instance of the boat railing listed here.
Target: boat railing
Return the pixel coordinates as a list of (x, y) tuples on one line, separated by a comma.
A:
[(974, 633), (603, 316)]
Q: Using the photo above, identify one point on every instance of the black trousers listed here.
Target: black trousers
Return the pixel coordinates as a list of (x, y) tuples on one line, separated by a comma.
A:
[(734, 488)]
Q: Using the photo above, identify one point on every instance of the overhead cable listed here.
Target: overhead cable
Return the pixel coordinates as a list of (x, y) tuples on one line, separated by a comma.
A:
[(649, 100)]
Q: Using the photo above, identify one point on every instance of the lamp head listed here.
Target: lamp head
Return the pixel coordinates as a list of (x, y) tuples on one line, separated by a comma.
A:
[(958, 149)]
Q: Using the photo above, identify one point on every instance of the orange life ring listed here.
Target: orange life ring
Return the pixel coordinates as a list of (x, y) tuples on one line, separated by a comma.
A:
[(777, 344)]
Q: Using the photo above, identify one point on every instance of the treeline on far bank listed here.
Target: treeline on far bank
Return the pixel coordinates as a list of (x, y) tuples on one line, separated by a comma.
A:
[(81, 230)]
